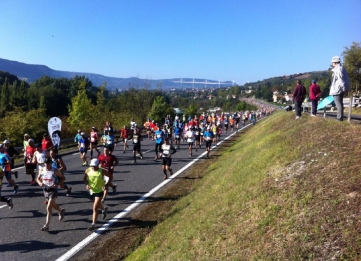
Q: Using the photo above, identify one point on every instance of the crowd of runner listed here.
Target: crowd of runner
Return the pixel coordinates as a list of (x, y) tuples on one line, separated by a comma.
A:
[(46, 167)]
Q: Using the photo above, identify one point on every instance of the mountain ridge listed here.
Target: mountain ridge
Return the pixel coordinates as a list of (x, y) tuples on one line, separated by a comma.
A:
[(32, 72)]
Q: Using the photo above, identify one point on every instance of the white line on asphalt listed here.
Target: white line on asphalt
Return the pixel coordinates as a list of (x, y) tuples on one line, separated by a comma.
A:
[(73, 251)]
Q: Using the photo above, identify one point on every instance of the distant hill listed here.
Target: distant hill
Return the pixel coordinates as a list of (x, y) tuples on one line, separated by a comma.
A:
[(32, 72)]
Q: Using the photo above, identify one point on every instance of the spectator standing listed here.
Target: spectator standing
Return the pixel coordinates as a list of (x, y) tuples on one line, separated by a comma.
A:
[(340, 85), (299, 94), (315, 93)]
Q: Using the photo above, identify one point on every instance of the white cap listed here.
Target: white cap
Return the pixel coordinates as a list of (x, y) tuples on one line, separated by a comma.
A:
[(94, 163), (335, 59), (6, 142)]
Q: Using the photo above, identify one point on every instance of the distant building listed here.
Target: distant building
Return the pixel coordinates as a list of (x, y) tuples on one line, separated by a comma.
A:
[(177, 111)]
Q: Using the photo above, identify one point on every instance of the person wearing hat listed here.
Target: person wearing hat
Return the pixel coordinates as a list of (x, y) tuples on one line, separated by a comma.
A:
[(5, 166), (315, 94), (49, 178), (340, 85), (13, 154), (94, 182), (30, 164)]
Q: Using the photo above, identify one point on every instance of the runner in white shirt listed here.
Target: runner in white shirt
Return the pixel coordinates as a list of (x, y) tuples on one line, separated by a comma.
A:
[(190, 139)]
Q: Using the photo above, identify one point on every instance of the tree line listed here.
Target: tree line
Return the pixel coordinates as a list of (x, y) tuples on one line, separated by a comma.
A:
[(26, 108)]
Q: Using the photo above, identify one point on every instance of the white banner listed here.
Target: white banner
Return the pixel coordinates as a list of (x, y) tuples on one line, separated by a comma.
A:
[(54, 128)]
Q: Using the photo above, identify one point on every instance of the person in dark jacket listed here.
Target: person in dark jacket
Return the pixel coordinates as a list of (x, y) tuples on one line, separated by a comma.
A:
[(299, 94), (315, 93)]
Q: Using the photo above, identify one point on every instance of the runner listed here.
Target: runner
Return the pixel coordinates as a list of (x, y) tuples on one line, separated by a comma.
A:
[(25, 144), (5, 166), (46, 143), (108, 128), (132, 124), (177, 135), (39, 157), (147, 128), (108, 141), (13, 154), (83, 148), (197, 136), (190, 139), (137, 138), (59, 164), (159, 140), (77, 138), (108, 161), (8, 201), (93, 142), (208, 136), (94, 181), (30, 165), (125, 134), (166, 152), (231, 123), (49, 178)]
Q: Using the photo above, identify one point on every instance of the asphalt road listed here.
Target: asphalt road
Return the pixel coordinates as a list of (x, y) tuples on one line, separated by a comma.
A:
[(20, 234)]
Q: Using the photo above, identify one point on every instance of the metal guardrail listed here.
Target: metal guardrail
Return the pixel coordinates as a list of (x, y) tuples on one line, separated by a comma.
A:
[(356, 102)]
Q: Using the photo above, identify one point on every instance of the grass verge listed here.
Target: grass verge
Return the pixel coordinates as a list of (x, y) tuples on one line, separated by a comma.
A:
[(284, 190)]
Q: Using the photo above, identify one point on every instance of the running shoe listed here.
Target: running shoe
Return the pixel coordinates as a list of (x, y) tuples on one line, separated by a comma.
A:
[(61, 214), (165, 176), (104, 212), (9, 185), (91, 228), (44, 228), (10, 203), (115, 188), (68, 191), (16, 189), (16, 174), (141, 157), (32, 183), (123, 151), (134, 162)]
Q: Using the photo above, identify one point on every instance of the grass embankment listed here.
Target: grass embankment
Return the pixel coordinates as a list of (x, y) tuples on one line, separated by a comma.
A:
[(286, 190)]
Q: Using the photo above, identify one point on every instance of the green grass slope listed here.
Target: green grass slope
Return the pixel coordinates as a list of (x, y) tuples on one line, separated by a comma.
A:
[(286, 190)]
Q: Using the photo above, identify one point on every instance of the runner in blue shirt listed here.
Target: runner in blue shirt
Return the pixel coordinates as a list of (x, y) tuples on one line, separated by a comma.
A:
[(208, 137), (159, 140)]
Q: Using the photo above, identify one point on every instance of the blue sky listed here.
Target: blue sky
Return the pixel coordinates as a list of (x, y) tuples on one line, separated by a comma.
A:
[(244, 40)]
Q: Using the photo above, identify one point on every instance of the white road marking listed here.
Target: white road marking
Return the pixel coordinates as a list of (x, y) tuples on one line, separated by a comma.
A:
[(73, 251)]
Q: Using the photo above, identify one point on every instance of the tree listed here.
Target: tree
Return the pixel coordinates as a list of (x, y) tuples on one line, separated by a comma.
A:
[(192, 110), (80, 110), (5, 93), (352, 63), (17, 122), (160, 109)]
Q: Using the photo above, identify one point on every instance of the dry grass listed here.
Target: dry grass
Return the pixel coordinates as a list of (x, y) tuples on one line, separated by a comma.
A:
[(285, 190)]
